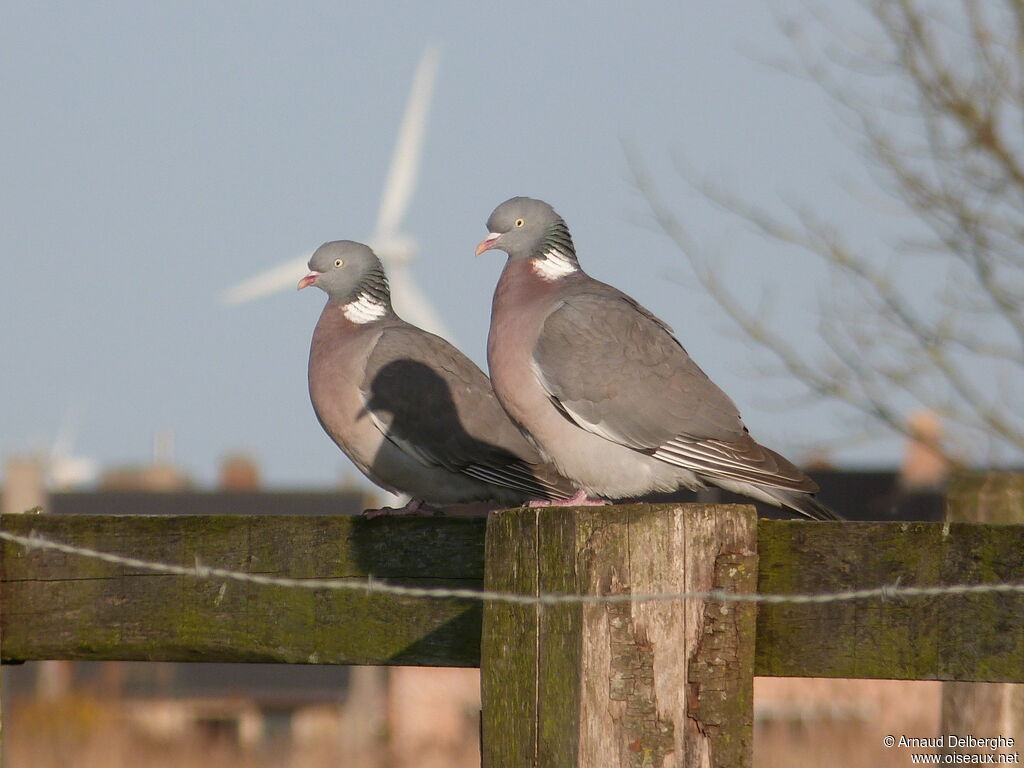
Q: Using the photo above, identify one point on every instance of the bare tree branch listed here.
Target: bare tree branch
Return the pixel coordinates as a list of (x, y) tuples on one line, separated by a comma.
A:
[(935, 95)]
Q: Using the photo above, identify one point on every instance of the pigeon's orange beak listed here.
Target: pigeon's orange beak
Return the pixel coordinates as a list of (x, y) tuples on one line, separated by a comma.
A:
[(308, 280), (488, 242)]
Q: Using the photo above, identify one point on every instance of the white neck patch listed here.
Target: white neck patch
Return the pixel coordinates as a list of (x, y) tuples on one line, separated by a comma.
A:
[(365, 309), (554, 265)]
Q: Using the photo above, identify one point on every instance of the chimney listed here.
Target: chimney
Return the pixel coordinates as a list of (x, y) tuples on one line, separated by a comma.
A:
[(24, 487), (925, 466), (239, 472)]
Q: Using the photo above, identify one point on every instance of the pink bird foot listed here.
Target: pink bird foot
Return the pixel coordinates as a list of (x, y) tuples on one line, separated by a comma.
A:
[(580, 499)]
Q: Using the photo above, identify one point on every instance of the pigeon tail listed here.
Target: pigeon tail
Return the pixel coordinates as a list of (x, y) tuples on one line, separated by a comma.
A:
[(804, 503)]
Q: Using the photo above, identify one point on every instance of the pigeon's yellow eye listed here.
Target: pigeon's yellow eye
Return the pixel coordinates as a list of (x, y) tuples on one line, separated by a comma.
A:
[(519, 222), (339, 262)]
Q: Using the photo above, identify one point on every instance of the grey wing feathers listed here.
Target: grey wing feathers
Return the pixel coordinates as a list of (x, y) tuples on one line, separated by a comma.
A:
[(806, 505), (617, 371), (516, 475), (431, 401), (743, 460)]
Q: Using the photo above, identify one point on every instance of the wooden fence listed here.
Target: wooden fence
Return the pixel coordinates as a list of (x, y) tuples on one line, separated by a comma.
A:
[(624, 682)]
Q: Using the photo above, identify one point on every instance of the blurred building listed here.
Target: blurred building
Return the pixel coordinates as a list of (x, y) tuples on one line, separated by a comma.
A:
[(239, 472)]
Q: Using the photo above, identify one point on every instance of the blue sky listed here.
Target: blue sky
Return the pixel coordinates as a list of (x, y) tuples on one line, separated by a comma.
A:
[(154, 155)]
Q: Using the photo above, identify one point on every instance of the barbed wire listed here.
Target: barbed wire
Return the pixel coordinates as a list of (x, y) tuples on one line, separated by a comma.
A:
[(370, 585)]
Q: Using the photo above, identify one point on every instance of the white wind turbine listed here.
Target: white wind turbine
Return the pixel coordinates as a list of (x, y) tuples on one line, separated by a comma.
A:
[(394, 248), (64, 470)]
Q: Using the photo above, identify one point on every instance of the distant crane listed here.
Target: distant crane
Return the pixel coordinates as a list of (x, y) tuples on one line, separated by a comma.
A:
[(394, 248)]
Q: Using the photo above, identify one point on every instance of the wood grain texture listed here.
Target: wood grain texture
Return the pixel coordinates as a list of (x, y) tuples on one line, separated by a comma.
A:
[(623, 684), (986, 497), (984, 709), (64, 607), (940, 638), (507, 737), (715, 693)]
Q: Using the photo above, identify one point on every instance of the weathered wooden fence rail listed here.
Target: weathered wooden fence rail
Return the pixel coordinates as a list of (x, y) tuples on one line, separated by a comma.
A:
[(558, 682), (60, 606)]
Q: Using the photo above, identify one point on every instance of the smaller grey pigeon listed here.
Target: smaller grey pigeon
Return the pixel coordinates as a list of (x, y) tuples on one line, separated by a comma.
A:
[(411, 411), (604, 388)]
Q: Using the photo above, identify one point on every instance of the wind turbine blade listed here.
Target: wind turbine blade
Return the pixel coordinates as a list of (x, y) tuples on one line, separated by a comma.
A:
[(64, 441), (405, 161), (411, 304), (275, 279)]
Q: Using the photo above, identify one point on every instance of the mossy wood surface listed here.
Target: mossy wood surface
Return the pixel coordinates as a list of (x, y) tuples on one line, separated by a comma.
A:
[(61, 606), (58, 606), (952, 637), (984, 709), (663, 683), (989, 497)]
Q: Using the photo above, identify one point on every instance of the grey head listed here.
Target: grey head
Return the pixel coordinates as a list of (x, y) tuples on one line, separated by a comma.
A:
[(525, 228), (348, 271)]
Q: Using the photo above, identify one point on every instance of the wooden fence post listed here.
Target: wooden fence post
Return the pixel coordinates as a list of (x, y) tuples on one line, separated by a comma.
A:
[(660, 684), (984, 709), (1, 669)]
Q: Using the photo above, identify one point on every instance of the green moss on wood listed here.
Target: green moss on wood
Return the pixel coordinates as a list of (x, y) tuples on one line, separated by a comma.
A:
[(569, 682), (946, 637), (60, 606), (720, 699), (509, 643), (986, 497)]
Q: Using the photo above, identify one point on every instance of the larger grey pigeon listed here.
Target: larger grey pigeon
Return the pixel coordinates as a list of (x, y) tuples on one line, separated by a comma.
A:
[(410, 410), (602, 385)]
